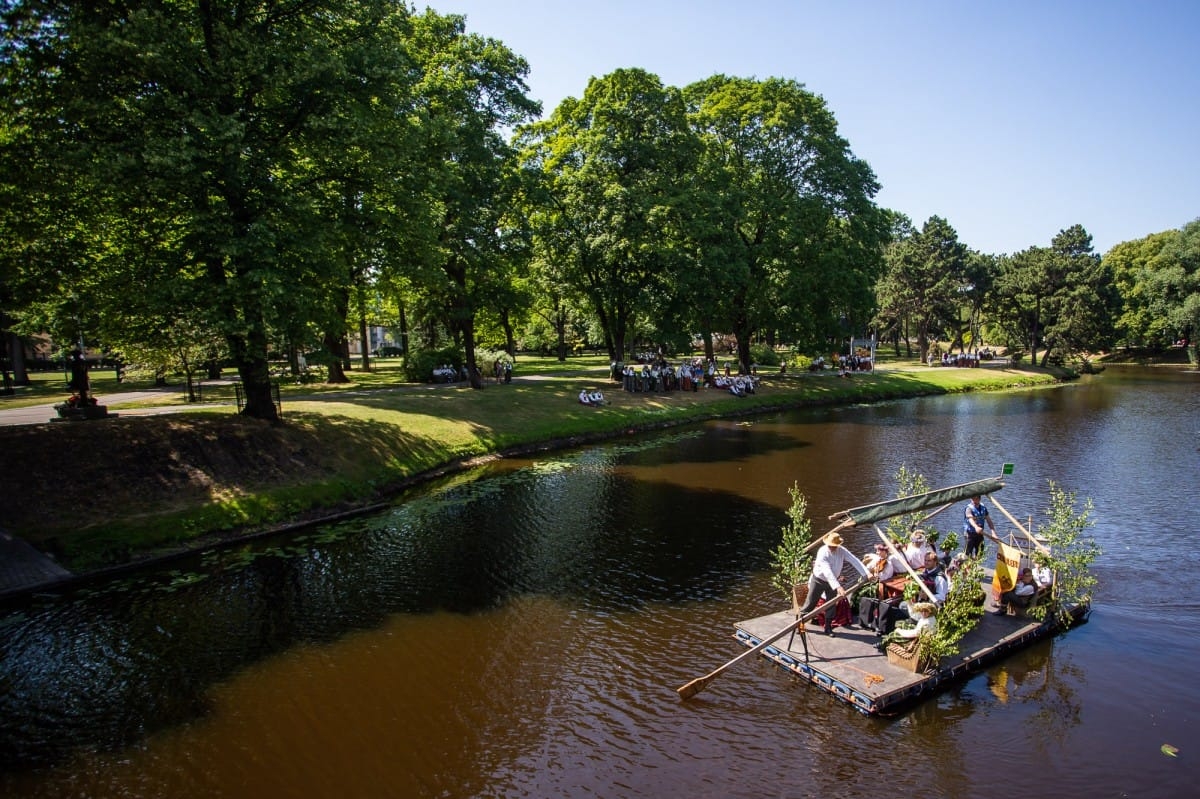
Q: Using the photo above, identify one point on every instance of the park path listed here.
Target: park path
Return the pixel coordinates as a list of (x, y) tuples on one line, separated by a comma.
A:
[(40, 414)]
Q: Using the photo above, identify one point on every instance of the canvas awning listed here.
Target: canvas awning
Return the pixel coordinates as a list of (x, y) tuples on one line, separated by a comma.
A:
[(869, 514)]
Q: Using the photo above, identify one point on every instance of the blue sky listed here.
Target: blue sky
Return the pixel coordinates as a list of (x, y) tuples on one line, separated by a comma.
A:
[(1012, 120)]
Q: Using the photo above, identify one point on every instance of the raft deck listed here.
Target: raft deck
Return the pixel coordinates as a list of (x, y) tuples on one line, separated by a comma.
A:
[(851, 668)]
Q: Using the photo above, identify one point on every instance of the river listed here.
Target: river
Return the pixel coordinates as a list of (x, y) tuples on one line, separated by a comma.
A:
[(520, 631)]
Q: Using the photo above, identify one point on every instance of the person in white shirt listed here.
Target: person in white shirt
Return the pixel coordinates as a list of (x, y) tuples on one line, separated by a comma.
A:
[(825, 582), (917, 549), (880, 564), (926, 621), (1021, 594)]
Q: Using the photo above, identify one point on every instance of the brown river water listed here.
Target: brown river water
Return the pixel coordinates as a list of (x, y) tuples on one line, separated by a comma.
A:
[(520, 631)]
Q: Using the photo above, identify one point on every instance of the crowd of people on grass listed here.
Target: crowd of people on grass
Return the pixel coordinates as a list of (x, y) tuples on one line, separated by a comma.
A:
[(693, 374), (961, 359), (591, 397)]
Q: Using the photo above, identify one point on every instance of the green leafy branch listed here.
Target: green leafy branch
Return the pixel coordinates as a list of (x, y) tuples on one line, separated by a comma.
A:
[(792, 559), (1072, 552)]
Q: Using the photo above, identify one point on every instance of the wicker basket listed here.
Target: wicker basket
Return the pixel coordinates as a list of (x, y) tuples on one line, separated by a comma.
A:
[(908, 655)]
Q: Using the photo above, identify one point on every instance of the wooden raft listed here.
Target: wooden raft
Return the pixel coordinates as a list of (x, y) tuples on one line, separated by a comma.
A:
[(849, 667)]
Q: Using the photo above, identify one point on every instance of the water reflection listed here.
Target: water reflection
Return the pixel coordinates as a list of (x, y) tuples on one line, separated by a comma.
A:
[(519, 631)]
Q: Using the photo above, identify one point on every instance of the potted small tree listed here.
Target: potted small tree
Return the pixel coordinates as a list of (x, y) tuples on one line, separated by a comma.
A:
[(793, 559), (1070, 557)]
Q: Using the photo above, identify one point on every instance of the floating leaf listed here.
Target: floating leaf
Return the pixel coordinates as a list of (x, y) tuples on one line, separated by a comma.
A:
[(1167, 749)]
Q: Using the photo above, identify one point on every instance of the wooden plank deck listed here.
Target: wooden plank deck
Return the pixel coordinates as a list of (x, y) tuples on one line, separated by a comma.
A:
[(850, 667)]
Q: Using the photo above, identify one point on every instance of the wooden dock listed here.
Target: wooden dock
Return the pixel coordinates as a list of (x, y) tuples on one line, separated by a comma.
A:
[(850, 667)]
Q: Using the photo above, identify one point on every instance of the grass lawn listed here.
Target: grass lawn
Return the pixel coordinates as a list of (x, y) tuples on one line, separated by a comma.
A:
[(99, 493)]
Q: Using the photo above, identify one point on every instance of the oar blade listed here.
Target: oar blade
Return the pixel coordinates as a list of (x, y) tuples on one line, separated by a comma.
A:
[(694, 687)]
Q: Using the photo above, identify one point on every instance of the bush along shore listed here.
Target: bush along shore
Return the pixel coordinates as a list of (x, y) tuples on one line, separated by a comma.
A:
[(101, 494)]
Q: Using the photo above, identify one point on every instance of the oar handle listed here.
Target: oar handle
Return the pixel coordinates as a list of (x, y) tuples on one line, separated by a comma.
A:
[(697, 685)]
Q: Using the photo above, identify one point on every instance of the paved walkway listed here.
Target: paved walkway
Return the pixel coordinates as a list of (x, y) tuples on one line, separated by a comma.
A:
[(40, 414)]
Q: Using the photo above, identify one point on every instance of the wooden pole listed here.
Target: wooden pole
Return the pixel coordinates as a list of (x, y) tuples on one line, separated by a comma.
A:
[(904, 562), (1045, 549), (929, 516), (817, 541), (700, 683)]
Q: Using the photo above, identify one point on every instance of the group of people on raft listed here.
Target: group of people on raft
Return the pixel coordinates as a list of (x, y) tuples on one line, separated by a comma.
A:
[(920, 556)]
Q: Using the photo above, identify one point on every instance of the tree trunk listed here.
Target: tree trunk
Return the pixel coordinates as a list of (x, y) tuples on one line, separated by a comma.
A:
[(560, 331), (16, 359), (923, 340), (744, 358), (468, 332), (403, 330), (333, 346), (366, 344), (293, 355), (510, 342), (250, 357)]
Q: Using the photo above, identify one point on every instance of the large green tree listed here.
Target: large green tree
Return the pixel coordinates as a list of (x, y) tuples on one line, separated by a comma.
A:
[(474, 92), (616, 165), (1174, 283), (1133, 264), (926, 275), (1085, 310), (1057, 299), (199, 130), (785, 231)]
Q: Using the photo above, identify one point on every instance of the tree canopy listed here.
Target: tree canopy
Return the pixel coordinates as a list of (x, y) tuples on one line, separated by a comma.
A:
[(244, 180)]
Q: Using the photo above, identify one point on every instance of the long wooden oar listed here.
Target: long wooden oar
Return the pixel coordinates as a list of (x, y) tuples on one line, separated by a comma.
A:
[(700, 683)]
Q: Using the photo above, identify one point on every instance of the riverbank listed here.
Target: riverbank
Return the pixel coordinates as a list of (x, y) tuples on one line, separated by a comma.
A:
[(96, 495)]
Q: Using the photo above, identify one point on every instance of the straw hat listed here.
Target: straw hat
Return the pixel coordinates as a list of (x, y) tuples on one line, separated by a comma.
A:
[(832, 540)]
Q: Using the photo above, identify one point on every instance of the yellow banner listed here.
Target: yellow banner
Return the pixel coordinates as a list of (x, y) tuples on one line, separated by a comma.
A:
[(1008, 566)]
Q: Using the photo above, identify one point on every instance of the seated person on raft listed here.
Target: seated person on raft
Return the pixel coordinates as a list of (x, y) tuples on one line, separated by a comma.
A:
[(1020, 595), (882, 614), (926, 613)]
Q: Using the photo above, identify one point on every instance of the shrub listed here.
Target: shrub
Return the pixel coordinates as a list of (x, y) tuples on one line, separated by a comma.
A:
[(418, 366), (763, 355)]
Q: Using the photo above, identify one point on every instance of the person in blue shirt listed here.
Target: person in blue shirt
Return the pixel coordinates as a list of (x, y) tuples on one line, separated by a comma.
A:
[(975, 519)]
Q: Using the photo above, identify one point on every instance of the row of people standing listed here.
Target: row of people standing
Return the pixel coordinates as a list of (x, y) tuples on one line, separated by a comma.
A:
[(660, 376), (963, 359)]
